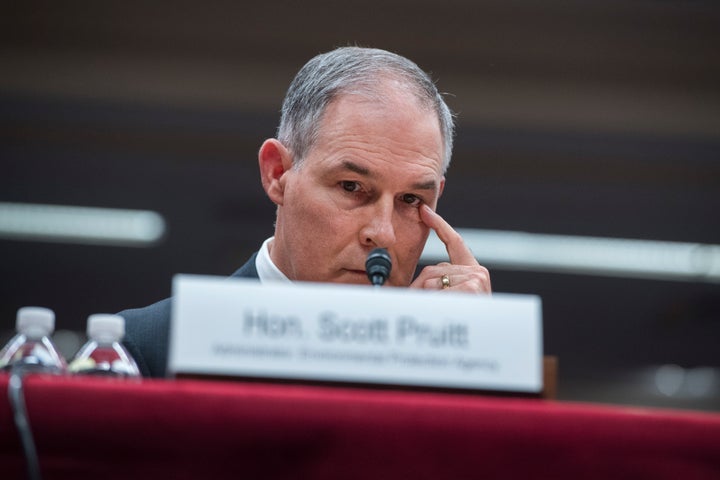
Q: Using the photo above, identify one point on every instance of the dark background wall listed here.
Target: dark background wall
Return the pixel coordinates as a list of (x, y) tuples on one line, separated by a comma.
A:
[(575, 117)]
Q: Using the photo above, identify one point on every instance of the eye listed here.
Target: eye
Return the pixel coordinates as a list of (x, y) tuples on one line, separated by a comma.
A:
[(411, 199), (350, 186)]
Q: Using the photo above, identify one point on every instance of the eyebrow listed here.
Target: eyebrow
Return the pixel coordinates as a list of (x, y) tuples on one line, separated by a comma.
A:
[(360, 170), (354, 167), (429, 185)]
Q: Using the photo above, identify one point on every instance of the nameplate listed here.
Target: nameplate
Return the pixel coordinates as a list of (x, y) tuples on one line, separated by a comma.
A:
[(355, 334)]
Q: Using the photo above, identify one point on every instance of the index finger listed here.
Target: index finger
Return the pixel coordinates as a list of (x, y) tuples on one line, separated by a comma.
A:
[(458, 252)]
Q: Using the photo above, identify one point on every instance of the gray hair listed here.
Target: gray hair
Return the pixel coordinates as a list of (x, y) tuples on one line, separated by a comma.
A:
[(352, 70)]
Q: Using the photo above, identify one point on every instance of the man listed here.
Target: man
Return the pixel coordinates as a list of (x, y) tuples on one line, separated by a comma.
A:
[(358, 163)]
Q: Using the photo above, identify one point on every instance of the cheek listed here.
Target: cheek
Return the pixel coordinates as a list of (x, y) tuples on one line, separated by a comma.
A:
[(413, 226), (320, 218), (412, 241)]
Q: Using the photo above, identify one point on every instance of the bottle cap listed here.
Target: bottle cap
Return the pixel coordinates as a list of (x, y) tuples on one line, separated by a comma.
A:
[(106, 325), (35, 321)]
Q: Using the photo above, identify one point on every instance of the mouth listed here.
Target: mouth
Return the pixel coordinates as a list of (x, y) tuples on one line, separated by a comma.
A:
[(358, 276)]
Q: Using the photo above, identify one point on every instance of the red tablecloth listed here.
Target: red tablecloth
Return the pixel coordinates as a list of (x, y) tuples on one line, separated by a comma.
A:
[(97, 428)]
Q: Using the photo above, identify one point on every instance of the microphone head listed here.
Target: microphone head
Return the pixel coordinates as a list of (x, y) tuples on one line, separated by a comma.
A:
[(378, 266)]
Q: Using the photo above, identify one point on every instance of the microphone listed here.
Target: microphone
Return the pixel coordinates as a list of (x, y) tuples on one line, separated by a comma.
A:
[(378, 266)]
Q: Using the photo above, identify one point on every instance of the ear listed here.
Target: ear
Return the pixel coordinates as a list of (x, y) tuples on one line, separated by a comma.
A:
[(274, 160), (442, 186)]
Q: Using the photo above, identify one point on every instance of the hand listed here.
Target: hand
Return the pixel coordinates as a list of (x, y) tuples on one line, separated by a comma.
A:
[(463, 273)]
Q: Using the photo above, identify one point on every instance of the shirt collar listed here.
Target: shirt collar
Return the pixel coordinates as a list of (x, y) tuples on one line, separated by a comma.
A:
[(266, 269)]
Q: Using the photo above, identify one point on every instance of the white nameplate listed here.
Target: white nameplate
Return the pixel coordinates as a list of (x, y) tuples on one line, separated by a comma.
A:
[(357, 334)]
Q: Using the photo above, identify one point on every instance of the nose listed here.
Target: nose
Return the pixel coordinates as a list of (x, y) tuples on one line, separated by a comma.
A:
[(378, 229)]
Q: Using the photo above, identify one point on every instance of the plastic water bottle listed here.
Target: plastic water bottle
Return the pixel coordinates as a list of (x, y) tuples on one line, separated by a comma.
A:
[(103, 354), (32, 349)]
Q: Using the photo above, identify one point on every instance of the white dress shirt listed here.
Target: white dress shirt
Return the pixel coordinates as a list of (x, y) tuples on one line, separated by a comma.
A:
[(266, 269)]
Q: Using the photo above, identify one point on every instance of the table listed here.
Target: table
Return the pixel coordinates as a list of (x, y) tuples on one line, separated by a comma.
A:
[(196, 429)]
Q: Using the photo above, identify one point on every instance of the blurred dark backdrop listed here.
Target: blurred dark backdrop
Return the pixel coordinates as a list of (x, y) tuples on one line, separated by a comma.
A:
[(575, 117)]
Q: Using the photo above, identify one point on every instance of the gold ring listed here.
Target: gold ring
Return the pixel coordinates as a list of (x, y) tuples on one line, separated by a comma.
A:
[(445, 281)]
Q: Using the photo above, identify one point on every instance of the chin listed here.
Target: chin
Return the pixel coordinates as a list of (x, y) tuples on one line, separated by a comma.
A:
[(352, 277)]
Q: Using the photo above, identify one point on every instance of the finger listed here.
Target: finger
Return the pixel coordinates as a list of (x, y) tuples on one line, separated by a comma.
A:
[(458, 252), (467, 283), (477, 281), (474, 279)]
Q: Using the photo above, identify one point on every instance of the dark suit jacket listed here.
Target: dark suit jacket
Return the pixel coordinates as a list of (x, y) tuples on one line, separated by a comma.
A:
[(147, 329)]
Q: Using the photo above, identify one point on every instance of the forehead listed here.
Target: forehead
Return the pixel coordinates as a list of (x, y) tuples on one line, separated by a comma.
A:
[(392, 126)]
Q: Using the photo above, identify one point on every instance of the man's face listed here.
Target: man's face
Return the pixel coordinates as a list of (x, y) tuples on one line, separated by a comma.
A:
[(358, 188)]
